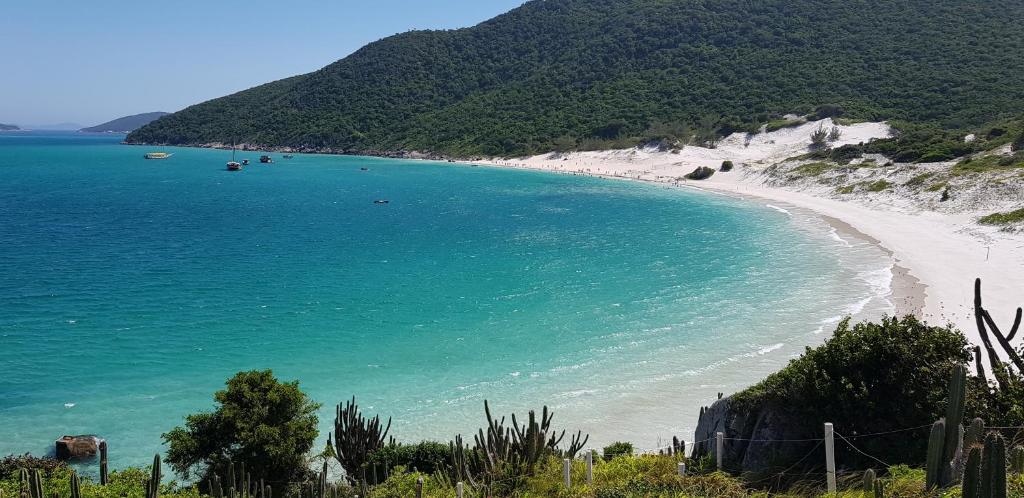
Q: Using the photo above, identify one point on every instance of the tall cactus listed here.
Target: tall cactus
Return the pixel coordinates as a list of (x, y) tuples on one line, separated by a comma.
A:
[(76, 486), (985, 473), (993, 467), (972, 474), (945, 441), (103, 463), (153, 483)]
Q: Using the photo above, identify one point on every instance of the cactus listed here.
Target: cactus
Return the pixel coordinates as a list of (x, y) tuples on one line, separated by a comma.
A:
[(975, 434), (76, 486), (933, 464), (944, 443), (1017, 460), (153, 483), (986, 325), (993, 467), (103, 463), (972, 474), (985, 473), (35, 487), (869, 482)]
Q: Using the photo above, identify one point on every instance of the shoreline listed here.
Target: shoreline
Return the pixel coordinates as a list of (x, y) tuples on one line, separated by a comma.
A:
[(936, 257)]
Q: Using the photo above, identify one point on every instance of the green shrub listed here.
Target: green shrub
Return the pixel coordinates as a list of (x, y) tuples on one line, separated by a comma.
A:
[(812, 169), (867, 378), (701, 173), (1003, 218), (779, 124), (1018, 143), (426, 457), (619, 448), (10, 465), (918, 179), (878, 186), (726, 166)]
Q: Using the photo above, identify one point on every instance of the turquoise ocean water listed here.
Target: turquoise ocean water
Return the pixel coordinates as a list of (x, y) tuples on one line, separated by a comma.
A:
[(131, 289)]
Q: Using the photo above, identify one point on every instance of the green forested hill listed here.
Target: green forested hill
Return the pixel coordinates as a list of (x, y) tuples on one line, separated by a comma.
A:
[(560, 73)]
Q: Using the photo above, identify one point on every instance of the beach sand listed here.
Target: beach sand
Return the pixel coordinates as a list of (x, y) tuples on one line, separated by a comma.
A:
[(936, 256)]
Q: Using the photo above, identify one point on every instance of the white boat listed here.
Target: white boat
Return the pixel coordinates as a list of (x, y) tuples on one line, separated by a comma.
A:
[(158, 155)]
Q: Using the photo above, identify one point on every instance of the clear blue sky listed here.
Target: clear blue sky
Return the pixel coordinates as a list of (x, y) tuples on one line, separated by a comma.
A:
[(91, 61)]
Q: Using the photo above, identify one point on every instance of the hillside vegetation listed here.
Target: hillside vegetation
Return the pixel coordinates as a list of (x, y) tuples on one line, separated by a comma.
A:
[(559, 74)]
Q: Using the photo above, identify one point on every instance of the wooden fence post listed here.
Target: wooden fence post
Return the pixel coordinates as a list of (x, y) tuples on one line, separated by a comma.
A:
[(590, 467), (567, 469), (719, 448), (458, 489), (830, 458), (419, 487), (682, 469)]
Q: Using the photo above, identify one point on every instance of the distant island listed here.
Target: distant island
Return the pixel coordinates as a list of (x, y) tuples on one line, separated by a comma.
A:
[(8, 127), (126, 124)]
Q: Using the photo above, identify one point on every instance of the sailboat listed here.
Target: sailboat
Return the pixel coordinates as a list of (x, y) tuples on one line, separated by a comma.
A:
[(232, 164)]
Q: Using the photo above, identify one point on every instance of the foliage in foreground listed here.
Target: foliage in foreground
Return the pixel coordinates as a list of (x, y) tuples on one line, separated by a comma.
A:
[(868, 378), (267, 425)]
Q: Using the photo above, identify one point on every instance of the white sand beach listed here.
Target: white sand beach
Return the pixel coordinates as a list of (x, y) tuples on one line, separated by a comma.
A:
[(940, 246)]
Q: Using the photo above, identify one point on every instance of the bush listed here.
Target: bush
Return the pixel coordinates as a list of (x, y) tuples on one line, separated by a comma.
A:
[(261, 422), (617, 449), (426, 457), (726, 166), (1003, 218), (701, 173), (10, 465), (868, 378), (819, 137), (1018, 143)]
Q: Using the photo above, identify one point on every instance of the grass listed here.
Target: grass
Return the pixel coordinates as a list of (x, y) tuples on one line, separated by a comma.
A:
[(878, 186), (988, 163), (845, 189), (1008, 218), (779, 124), (812, 169), (628, 476), (918, 180), (935, 187)]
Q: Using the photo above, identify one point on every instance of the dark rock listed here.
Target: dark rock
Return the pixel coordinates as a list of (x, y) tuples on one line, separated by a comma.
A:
[(69, 447), (759, 441)]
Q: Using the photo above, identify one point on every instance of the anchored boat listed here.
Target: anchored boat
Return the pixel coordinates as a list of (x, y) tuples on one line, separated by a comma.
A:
[(157, 155)]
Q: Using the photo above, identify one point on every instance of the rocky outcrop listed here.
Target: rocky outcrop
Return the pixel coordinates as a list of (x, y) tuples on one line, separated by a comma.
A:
[(68, 447), (761, 440)]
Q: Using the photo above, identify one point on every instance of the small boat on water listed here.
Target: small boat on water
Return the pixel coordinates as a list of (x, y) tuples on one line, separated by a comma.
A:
[(157, 155), (381, 201), (232, 164), (245, 162), (287, 156), (266, 159), (364, 169)]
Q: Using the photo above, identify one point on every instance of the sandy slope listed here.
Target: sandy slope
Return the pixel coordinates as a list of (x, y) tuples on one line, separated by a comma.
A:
[(945, 251)]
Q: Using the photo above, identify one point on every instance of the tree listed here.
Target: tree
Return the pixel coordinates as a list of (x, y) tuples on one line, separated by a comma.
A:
[(266, 424)]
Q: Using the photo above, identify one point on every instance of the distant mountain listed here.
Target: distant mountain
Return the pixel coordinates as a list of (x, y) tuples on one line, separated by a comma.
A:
[(557, 74), (126, 124), (8, 127)]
